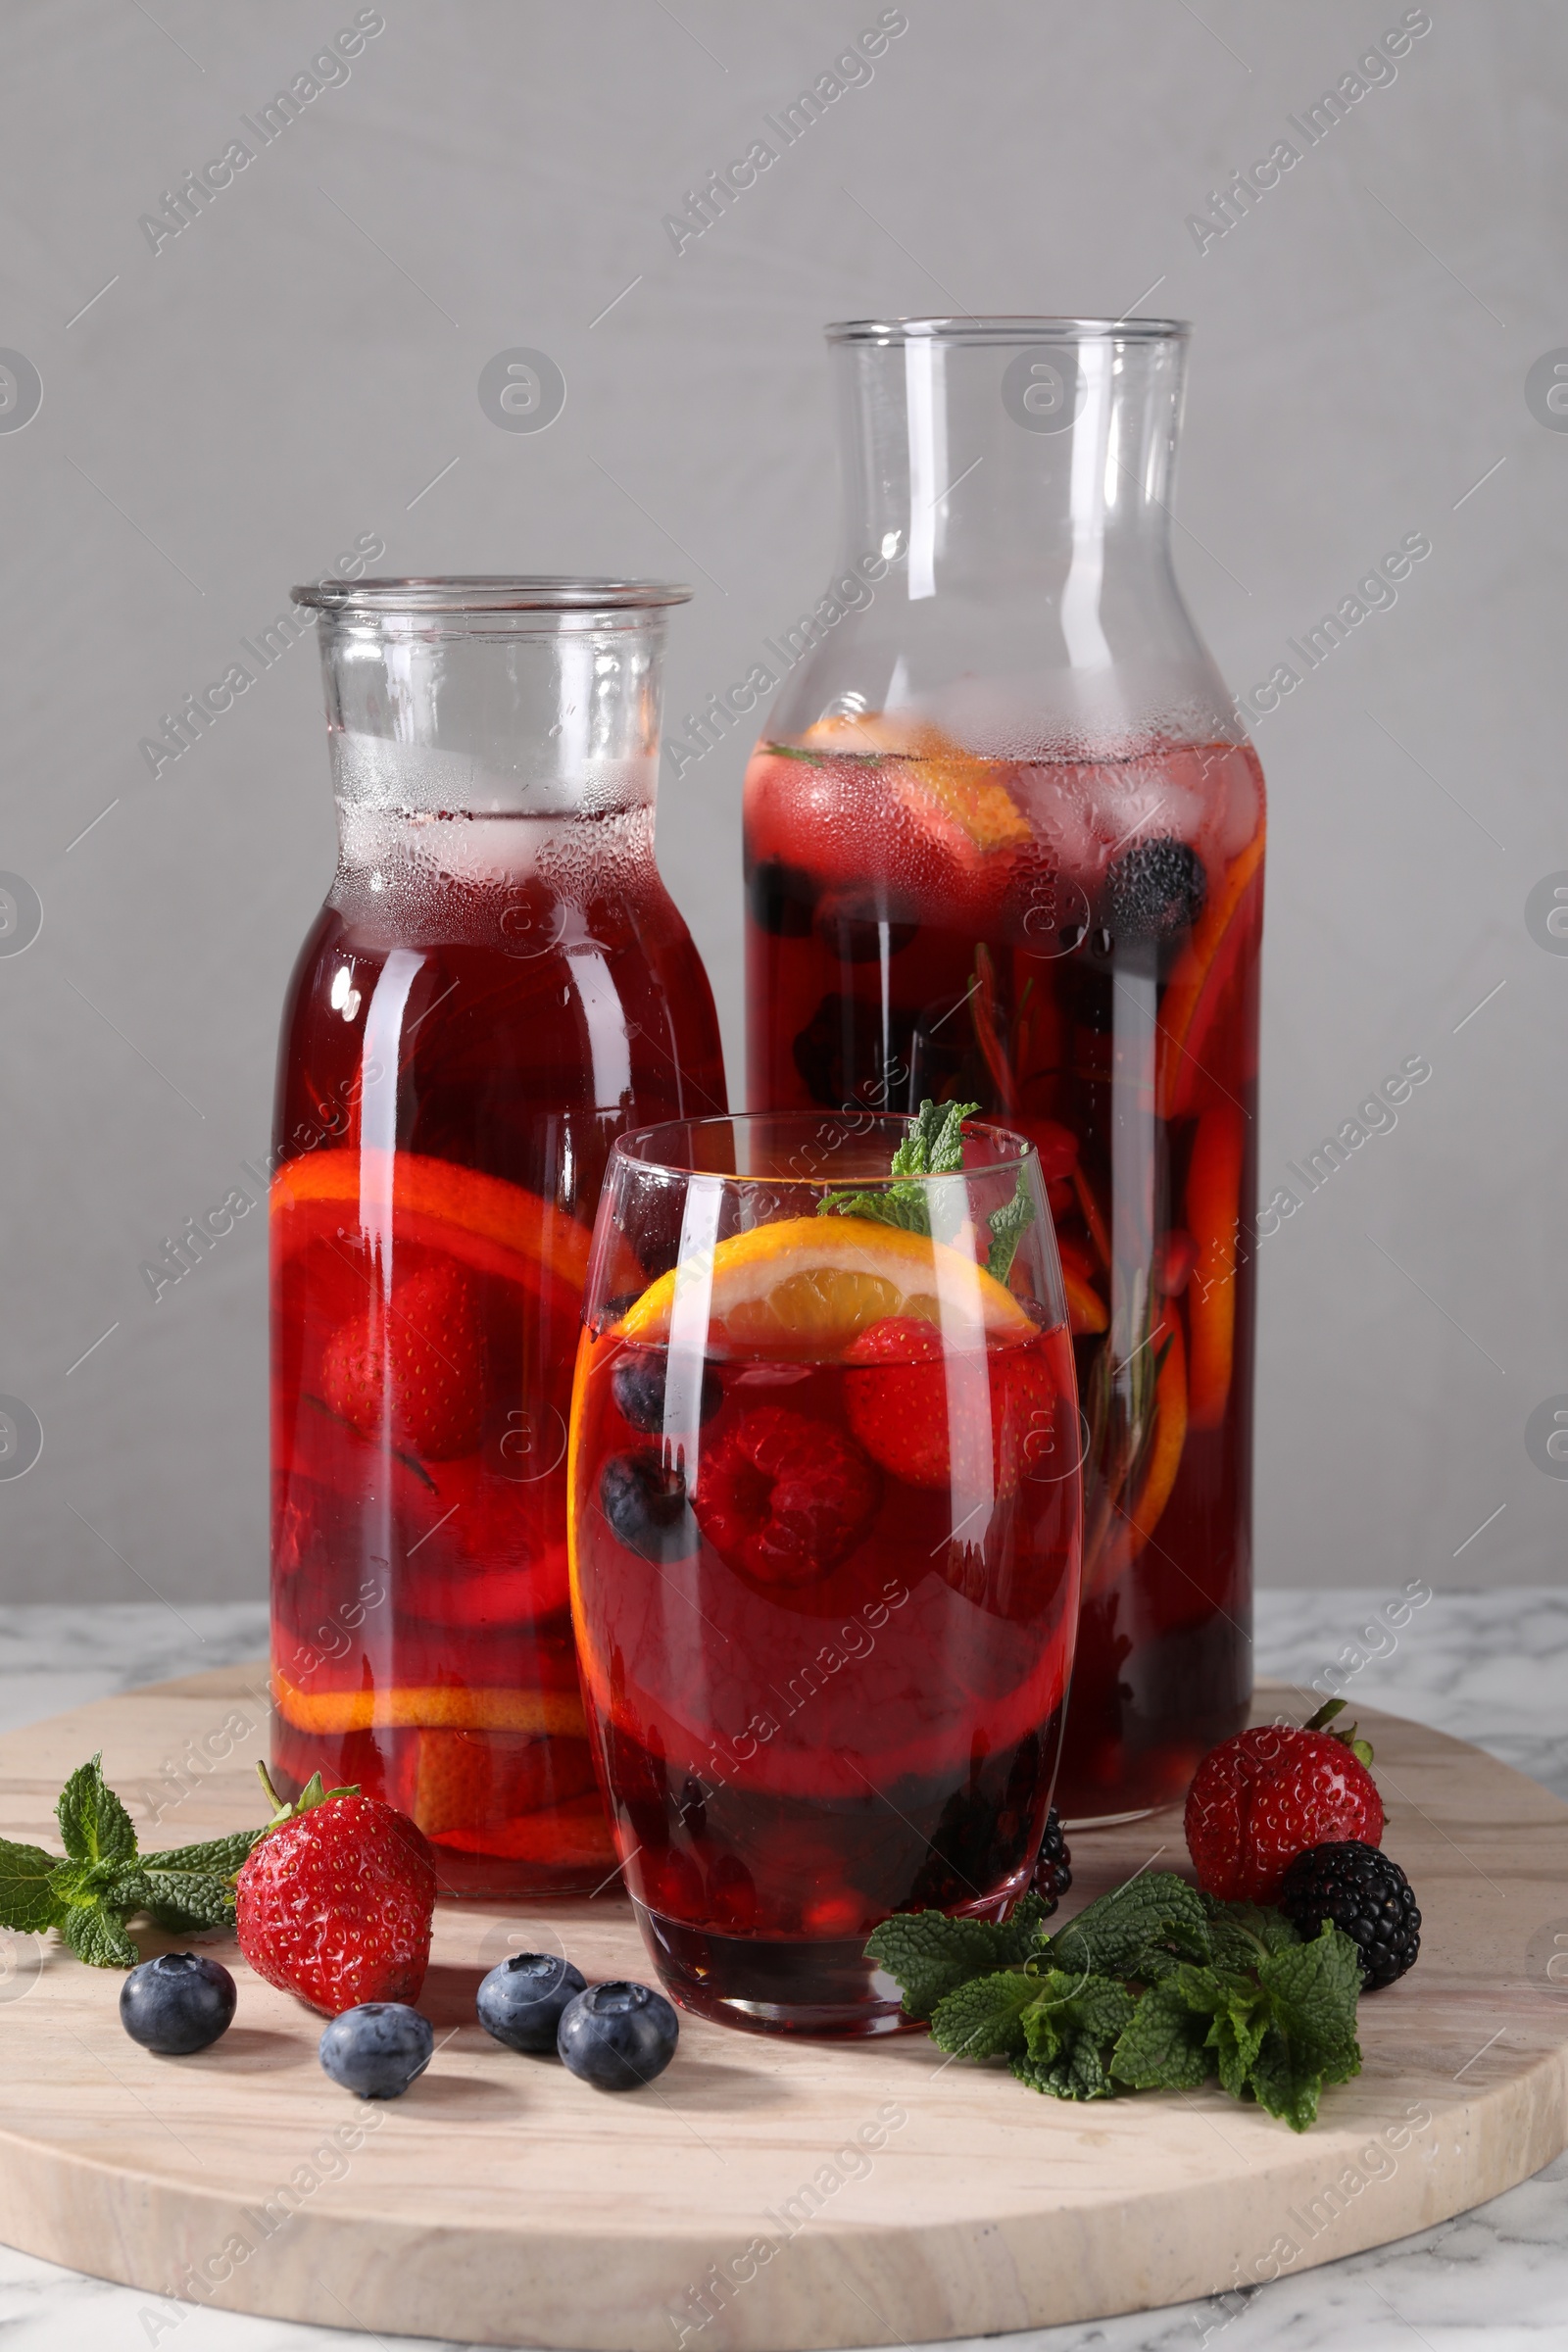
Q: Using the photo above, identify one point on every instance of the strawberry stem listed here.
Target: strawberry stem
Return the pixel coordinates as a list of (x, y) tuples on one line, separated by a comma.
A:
[(310, 1797)]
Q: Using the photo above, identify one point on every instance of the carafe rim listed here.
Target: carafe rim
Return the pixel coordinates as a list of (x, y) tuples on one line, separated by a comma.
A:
[(461, 593), (1019, 327)]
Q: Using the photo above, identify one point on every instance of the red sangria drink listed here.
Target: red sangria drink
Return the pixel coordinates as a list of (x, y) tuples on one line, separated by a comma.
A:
[(1004, 845), (496, 986), (824, 1528), (1106, 1009)]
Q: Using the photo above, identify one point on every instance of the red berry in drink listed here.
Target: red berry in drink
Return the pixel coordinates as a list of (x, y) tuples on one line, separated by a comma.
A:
[(336, 1903), (906, 1388), (1259, 1799), (785, 1497), (424, 1353)]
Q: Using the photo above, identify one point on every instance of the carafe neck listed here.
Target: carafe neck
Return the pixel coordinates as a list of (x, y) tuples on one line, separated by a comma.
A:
[(493, 698), (996, 456)]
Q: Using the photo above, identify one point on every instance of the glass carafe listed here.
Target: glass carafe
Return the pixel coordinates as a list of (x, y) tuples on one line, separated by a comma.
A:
[(1003, 844), (496, 986)]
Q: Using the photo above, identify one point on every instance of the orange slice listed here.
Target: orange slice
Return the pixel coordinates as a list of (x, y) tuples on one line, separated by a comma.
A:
[(812, 1283), (1085, 1309), (1202, 976), (931, 768), (496, 1228), (1213, 1205), (437, 1706)]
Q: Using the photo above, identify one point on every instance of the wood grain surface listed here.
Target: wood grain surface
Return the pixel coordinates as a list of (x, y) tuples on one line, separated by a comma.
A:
[(764, 2193)]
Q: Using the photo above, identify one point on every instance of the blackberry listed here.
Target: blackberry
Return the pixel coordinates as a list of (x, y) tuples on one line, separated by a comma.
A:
[(1053, 1870), (782, 898), (1155, 890), (1363, 1892)]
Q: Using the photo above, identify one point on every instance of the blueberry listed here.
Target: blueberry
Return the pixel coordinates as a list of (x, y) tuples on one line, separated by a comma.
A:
[(617, 2036), (520, 2001), (178, 2003), (378, 2049), (1157, 888), (643, 1501), (637, 1385)]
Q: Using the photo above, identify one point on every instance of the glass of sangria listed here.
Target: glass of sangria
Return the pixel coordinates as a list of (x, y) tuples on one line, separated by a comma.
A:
[(496, 988), (824, 1542), (1004, 842)]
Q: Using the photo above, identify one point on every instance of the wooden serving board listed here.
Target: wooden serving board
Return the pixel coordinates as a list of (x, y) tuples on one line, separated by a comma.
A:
[(765, 2192)]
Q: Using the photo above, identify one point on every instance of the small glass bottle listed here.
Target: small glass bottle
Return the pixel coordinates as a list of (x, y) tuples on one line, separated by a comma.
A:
[(497, 987), (1003, 842)]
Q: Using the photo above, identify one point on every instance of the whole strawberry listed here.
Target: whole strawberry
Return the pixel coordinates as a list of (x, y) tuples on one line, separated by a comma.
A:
[(420, 1361), (1259, 1799), (334, 1903)]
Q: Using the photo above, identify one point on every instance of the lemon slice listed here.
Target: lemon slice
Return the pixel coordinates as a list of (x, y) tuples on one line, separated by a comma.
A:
[(812, 1283)]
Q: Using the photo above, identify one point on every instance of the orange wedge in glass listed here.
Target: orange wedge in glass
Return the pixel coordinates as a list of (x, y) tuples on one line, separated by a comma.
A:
[(812, 1284)]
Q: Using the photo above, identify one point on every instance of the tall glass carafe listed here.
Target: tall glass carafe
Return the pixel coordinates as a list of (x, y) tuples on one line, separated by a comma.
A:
[(496, 986), (1005, 843)]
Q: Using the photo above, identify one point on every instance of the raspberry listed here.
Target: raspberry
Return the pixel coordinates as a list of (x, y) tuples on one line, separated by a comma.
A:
[(783, 1497), (1259, 1799), (899, 1395)]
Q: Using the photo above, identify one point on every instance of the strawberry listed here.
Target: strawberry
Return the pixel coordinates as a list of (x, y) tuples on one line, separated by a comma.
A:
[(423, 1360), (899, 1395), (334, 1903), (784, 1498), (1259, 1799)]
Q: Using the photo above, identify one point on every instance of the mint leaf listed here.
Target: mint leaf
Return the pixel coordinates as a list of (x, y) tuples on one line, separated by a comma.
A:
[(28, 1902), (222, 1855), (1008, 1225), (81, 1883), (186, 1900), (985, 2017), (93, 1823), (1071, 2029), (930, 1955), (1237, 2036), (97, 1937), (902, 1205), (933, 1146), (1165, 2045), (1113, 1933), (1242, 1935)]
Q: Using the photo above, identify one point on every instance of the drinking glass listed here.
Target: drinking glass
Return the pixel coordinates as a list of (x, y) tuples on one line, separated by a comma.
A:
[(824, 1532)]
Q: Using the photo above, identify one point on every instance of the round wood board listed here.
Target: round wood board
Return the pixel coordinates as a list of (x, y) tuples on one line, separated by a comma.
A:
[(765, 2192)]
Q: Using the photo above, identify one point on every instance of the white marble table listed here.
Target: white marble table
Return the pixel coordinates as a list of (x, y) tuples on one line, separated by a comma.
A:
[(1486, 1667)]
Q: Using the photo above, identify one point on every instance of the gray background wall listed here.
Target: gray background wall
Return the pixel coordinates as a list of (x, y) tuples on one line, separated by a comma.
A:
[(295, 369)]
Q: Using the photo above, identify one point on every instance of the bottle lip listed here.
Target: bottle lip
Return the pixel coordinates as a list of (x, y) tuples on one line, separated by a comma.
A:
[(1021, 328), (490, 592)]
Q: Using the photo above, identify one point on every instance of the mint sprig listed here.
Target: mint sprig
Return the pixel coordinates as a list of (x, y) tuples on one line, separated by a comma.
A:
[(1154, 1986), (103, 1880), (934, 1147)]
